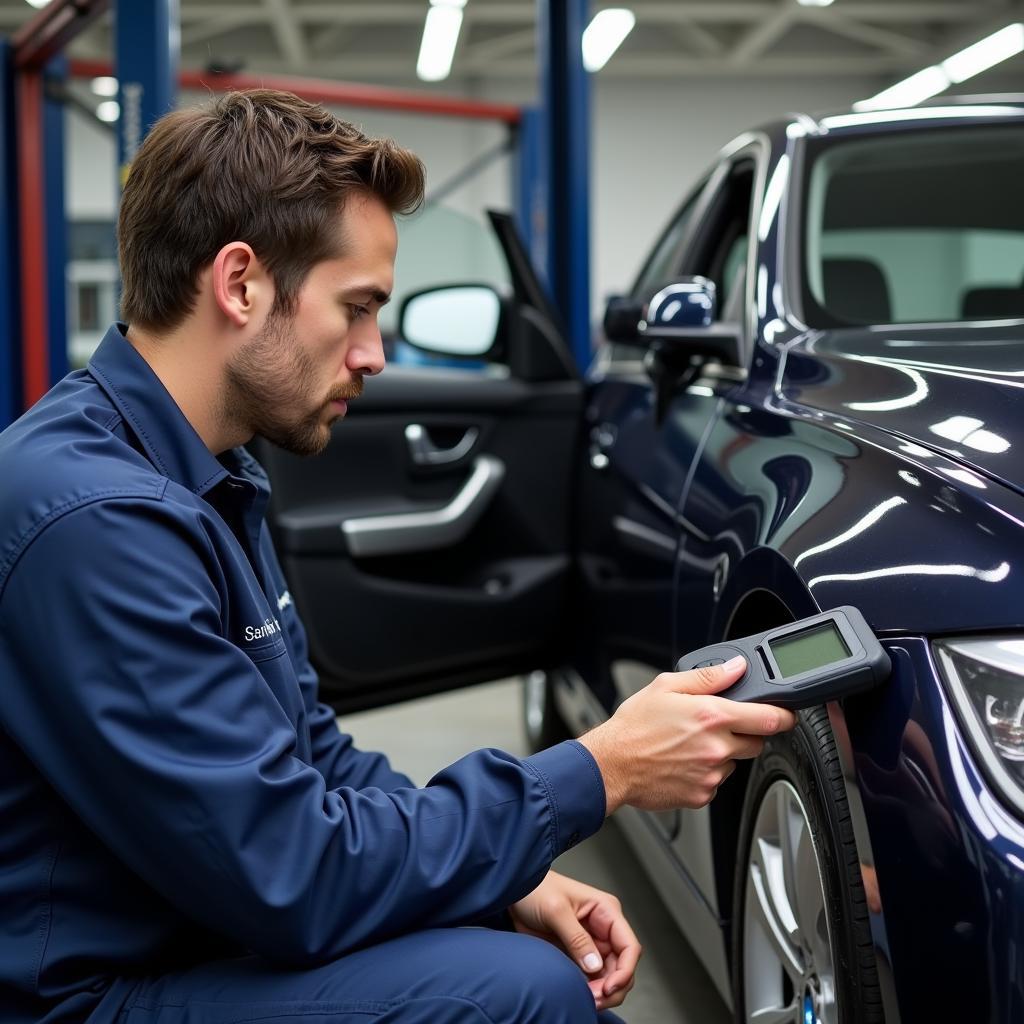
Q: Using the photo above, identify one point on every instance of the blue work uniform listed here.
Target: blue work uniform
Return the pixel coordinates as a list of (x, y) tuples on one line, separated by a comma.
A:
[(186, 835)]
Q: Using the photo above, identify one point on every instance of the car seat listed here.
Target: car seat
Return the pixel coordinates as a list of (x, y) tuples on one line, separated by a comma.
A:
[(856, 290)]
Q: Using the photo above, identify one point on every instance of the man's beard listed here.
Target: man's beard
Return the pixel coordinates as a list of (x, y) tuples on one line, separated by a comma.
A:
[(271, 383)]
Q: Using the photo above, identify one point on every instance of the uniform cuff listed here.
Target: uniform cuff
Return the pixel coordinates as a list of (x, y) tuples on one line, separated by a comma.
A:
[(575, 792)]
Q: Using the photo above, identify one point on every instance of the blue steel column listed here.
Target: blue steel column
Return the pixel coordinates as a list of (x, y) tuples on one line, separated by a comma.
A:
[(10, 282), (147, 48), (531, 189), (565, 93), (56, 222)]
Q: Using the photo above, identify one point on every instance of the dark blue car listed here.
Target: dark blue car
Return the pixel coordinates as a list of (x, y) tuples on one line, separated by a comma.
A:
[(812, 396)]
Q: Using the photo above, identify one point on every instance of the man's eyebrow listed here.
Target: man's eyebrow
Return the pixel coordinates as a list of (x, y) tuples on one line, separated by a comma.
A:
[(379, 296)]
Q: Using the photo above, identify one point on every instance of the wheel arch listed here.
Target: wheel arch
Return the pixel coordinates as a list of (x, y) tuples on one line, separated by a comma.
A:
[(756, 610), (764, 591)]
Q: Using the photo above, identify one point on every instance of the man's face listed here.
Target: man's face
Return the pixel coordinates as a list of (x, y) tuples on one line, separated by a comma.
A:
[(291, 382)]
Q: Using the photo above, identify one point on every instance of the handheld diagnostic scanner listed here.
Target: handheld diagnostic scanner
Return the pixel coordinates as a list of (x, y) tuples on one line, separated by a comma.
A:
[(812, 661)]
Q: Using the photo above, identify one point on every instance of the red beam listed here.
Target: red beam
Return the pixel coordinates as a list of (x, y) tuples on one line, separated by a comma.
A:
[(344, 94), (48, 32), (32, 230)]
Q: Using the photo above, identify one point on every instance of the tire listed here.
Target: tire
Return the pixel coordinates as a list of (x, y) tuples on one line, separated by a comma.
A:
[(541, 722), (796, 811)]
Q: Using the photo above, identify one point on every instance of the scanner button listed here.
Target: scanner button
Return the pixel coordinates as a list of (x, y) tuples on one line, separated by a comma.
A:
[(710, 662)]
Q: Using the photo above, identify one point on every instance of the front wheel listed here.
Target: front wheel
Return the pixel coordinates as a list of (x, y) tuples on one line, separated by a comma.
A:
[(802, 949)]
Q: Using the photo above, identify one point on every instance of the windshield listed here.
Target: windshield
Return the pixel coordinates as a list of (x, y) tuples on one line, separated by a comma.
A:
[(917, 227)]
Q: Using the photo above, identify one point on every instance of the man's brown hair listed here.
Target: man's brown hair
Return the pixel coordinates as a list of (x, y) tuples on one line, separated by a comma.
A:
[(262, 167)]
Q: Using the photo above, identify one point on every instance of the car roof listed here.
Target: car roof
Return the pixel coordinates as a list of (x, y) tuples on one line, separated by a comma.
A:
[(939, 111)]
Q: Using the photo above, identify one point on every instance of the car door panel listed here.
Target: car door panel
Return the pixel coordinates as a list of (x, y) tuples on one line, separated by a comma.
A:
[(386, 624), (627, 532), (655, 590)]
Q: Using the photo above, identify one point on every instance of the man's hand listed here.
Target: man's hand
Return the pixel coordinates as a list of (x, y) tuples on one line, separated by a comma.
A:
[(673, 743), (589, 926)]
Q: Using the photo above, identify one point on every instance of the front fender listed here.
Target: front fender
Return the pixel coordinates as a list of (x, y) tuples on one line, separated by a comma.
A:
[(822, 517)]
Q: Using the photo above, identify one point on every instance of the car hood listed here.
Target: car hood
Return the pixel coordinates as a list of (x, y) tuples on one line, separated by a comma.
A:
[(958, 390)]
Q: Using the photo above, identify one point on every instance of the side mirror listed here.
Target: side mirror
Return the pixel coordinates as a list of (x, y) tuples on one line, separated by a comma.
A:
[(622, 318), (681, 320), (452, 320)]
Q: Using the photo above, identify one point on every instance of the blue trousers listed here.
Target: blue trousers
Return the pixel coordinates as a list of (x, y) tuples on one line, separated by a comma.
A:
[(443, 976)]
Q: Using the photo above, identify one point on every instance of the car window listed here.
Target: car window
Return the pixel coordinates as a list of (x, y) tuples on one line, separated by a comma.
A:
[(663, 264), (919, 227), (735, 261), (723, 243)]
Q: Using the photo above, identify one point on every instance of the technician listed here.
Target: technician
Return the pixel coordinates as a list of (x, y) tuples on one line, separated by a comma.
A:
[(187, 837)]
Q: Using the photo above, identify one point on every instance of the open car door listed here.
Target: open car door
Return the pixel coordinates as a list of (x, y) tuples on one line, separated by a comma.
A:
[(427, 547)]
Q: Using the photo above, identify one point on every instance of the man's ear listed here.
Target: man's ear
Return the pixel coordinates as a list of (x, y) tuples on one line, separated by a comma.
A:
[(241, 286)]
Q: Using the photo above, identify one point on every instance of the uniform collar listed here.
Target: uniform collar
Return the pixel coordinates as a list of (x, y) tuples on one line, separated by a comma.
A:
[(168, 439)]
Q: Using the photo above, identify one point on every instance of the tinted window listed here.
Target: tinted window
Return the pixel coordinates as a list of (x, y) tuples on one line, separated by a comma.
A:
[(915, 227), (722, 243), (663, 264), (735, 261)]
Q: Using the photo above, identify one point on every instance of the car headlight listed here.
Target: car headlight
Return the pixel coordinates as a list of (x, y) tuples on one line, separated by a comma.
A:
[(986, 679)]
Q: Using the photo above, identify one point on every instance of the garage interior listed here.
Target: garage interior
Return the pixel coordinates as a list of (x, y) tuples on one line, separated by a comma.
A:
[(591, 163)]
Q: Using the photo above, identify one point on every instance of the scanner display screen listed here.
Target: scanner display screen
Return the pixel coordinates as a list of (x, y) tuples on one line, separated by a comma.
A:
[(809, 650)]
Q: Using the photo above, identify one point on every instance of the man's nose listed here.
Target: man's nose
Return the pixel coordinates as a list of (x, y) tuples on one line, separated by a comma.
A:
[(366, 356)]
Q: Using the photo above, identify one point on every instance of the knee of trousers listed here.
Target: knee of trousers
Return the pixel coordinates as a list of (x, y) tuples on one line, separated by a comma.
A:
[(534, 983)]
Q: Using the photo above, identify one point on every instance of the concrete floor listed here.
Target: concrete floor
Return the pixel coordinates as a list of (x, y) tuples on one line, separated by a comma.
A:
[(423, 736)]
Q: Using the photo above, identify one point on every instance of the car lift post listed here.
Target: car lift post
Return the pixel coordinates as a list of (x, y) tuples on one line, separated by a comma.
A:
[(32, 261), (33, 253), (10, 310), (565, 164), (56, 245), (147, 45)]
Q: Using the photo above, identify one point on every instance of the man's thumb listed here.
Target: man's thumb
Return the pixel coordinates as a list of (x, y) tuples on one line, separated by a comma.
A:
[(578, 943), (709, 678)]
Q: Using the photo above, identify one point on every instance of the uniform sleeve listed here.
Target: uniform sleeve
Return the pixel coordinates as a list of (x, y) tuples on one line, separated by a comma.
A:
[(334, 753), (165, 740)]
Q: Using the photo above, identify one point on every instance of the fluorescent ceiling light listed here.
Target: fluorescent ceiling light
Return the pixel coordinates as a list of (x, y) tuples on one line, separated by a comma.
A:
[(991, 50), (978, 57), (604, 35), (911, 91), (104, 86), (38, 3), (440, 34), (814, 3), (108, 110)]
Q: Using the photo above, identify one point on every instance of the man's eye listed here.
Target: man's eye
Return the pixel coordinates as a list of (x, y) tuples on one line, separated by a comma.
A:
[(358, 312)]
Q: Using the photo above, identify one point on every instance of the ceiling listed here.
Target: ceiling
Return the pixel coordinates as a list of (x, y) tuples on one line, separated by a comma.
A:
[(378, 40)]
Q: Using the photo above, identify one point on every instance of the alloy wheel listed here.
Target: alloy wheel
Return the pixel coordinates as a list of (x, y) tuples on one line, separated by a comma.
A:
[(788, 963)]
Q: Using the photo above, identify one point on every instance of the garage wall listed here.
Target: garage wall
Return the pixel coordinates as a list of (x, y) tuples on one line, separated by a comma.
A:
[(652, 140)]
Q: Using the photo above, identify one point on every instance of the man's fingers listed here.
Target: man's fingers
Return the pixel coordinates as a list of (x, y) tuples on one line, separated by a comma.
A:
[(625, 952), (575, 939), (710, 679), (608, 1001), (758, 719), (608, 993), (621, 979), (746, 748)]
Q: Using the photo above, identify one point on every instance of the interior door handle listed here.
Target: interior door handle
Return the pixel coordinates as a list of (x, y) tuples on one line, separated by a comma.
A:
[(427, 531), (425, 453)]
